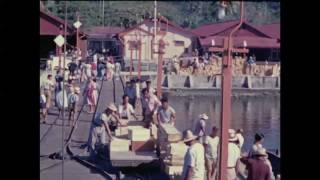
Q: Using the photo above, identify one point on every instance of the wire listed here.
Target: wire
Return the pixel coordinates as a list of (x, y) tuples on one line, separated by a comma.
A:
[(63, 87)]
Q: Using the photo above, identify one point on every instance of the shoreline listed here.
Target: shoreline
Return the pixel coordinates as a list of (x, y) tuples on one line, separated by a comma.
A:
[(236, 92)]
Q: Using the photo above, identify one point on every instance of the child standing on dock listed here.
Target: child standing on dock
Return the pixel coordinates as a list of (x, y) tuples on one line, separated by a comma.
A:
[(43, 106), (91, 94)]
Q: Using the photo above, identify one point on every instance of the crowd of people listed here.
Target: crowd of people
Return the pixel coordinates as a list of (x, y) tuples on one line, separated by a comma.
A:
[(203, 152), (202, 155)]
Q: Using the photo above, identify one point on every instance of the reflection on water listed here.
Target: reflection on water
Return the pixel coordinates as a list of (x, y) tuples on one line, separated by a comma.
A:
[(251, 114)]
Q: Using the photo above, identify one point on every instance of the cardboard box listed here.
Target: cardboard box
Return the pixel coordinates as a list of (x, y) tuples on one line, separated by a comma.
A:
[(120, 145), (170, 133), (139, 134), (143, 145)]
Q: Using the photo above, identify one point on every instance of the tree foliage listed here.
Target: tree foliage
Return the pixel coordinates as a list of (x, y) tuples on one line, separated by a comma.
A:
[(188, 14)]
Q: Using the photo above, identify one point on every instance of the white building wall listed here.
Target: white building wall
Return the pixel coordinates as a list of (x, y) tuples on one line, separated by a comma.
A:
[(169, 38)]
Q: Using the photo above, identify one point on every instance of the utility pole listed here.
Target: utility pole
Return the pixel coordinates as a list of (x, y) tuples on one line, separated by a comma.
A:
[(155, 25), (103, 13)]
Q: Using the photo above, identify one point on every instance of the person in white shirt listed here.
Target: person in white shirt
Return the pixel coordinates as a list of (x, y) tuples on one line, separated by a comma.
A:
[(150, 104), (43, 106), (194, 163), (48, 86), (211, 144), (165, 113), (125, 110), (240, 137), (200, 127), (233, 155), (100, 126), (62, 100), (73, 100)]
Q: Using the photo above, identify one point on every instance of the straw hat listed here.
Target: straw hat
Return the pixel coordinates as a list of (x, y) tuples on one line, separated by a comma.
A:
[(188, 136), (260, 152), (112, 107), (203, 116), (232, 135), (77, 90)]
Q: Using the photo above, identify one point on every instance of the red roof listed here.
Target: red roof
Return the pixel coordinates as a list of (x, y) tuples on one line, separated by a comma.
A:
[(50, 24), (272, 30), (163, 23), (100, 31), (252, 42), (211, 29), (255, 36)]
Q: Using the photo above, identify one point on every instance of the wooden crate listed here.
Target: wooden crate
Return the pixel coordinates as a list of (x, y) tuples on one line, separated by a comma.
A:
[(139, 134), (169, 132), (120, 145), (143, 145)]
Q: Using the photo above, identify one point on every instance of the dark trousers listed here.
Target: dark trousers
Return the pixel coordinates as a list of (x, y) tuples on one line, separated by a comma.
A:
[(133, 102)]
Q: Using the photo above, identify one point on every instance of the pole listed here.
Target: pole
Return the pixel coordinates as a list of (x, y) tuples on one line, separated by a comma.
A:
[(159, 73), (155, 24), (131, 63), (226, 99), (60, 49), (78, 48), (139, 65), (103, 13), (63, 87)]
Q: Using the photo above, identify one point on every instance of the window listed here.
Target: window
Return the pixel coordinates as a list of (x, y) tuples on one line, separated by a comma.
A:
[(186, 50), (179, 43)]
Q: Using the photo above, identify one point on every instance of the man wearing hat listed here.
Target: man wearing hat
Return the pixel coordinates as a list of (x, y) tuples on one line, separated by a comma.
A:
[(193, 167), (200, 128), (257, 167), (102, 124), (73, 99), (233, 155)]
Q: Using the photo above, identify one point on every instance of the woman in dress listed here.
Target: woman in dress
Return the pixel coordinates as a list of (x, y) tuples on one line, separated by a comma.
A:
[(91, 94), (110, 68), (62, 100)]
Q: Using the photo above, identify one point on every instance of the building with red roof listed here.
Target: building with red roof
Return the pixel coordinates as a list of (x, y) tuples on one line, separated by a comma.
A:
[(104, 37), (263, 41), (50, 27), (178, 41)]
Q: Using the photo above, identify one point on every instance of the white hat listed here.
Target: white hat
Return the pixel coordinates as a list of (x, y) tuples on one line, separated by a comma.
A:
[(77, 89), (260, 152), (188, 136), (232, 135), (203, 116), (112, 107)]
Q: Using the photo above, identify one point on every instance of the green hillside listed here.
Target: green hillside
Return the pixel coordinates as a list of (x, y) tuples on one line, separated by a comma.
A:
[(188, 14)]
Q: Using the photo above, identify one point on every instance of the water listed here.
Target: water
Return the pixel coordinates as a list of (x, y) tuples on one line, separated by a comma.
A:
[(252, 114)]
